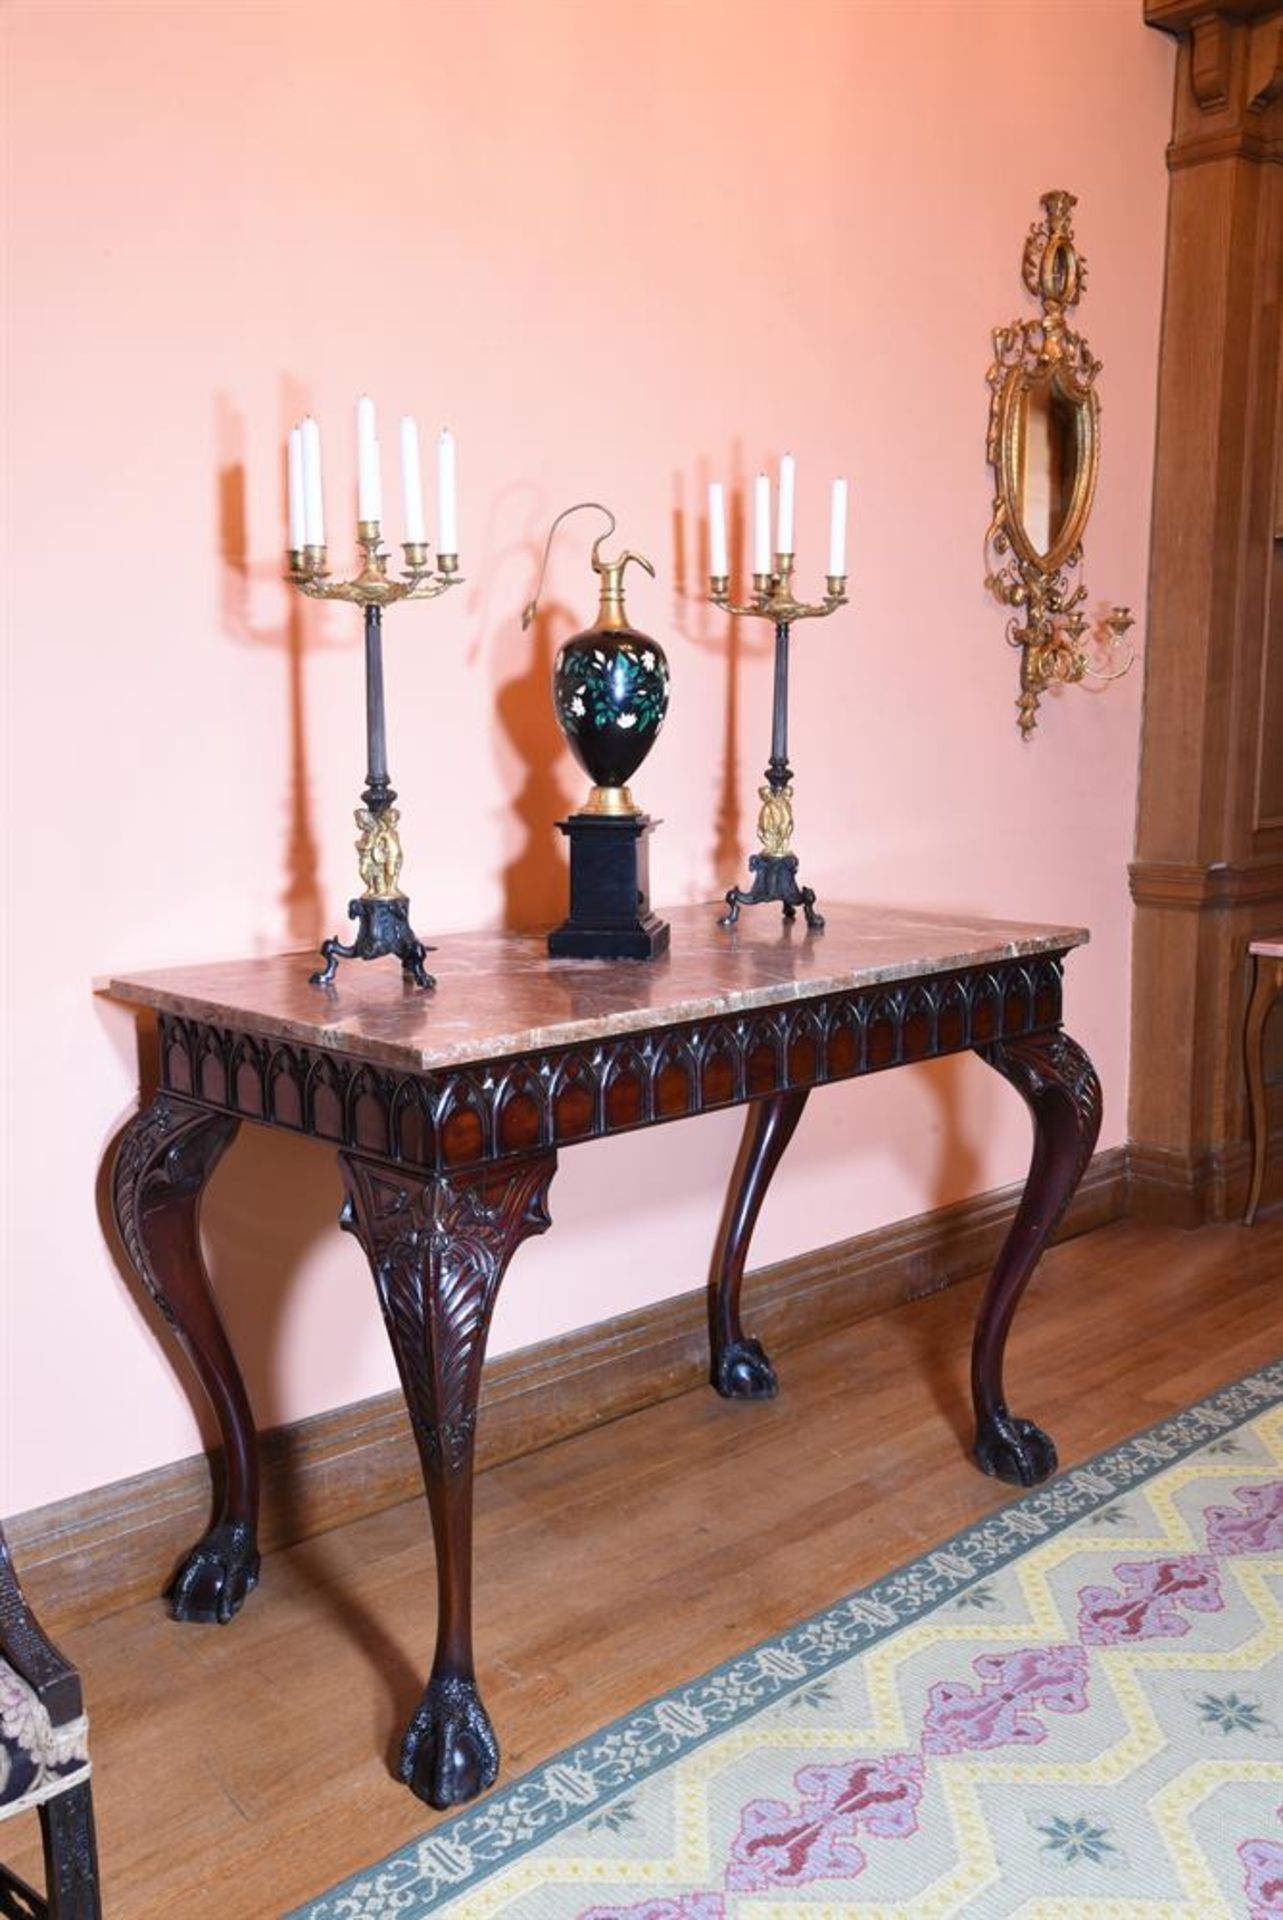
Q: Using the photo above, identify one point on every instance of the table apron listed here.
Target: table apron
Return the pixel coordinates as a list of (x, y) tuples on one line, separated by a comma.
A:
[(481, 1113)]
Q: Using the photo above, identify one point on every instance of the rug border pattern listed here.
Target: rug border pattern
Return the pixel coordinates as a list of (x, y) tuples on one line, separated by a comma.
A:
[(473, 1844)]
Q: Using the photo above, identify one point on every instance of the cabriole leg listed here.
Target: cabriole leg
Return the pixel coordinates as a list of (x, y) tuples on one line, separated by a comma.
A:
[(438, 1249), (1059, 1086), (166, 1156), (740, 1369)]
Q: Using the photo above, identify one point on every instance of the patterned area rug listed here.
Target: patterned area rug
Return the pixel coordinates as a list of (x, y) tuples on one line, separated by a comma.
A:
[(1071, 1709)]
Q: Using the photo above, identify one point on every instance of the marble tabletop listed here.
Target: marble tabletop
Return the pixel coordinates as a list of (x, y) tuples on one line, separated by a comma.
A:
[(499, 994)]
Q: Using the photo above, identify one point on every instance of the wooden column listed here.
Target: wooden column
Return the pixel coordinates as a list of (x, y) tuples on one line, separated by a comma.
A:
[(1208, 873)]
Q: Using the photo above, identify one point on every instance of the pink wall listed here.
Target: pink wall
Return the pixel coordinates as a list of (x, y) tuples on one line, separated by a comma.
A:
[(618, 248)]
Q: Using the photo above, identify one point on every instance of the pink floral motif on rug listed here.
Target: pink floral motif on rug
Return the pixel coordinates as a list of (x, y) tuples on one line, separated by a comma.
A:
[(1256, 1526), (1262, 1877), (1149, 1607)]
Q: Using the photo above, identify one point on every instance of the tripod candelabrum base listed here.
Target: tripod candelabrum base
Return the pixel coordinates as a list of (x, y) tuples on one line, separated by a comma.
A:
[(383, 929), (774, 879)]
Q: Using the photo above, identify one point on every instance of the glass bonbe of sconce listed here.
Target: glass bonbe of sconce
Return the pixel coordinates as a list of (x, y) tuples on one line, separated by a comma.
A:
[(1044, 448)]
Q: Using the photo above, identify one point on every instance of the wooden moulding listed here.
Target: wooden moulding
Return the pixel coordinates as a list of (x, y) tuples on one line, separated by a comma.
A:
[(91, 1555)]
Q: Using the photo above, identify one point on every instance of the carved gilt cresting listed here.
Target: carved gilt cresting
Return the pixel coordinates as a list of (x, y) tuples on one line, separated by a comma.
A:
[(447, 1171), (1043, 363)]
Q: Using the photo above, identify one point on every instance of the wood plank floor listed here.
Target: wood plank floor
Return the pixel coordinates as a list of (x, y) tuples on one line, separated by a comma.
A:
[(239, 1770)]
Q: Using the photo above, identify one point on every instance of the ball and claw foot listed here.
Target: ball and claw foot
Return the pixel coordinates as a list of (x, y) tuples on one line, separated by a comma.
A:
[(742, 1371), (449, 1753), (218, 1575), (1015, 1450)]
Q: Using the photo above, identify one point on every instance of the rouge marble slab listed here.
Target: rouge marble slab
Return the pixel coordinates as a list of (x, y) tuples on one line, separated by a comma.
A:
[(500, 995)]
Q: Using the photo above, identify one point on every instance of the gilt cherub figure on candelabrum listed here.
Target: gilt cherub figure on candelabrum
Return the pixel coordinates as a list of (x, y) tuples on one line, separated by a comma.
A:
[(775, 867), (382, 911)]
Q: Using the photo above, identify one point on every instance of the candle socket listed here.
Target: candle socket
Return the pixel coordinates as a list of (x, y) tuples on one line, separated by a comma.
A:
[(762, 583), (416, 555), (835, 585), (448, 564), (719, 585)]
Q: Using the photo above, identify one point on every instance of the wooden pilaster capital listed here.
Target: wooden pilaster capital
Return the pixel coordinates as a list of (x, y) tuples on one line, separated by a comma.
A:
[(1229, 91)]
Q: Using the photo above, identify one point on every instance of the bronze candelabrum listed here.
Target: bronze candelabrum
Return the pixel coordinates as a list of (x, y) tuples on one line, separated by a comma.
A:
[(774, 869), (382, 911)]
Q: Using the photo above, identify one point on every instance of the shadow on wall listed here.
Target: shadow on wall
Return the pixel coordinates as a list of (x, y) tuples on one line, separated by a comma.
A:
[(301, 897), (272, 1197), (733, 640), (535, 885)]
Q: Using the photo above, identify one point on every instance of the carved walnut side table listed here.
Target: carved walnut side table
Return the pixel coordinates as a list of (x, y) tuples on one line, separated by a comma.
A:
[(448, 1112)]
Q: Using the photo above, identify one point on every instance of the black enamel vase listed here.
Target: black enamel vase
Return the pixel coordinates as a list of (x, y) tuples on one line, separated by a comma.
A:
[(610, 691)]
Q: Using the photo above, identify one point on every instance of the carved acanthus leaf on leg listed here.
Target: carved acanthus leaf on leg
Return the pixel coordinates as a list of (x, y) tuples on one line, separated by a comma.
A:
[(438, 1248)]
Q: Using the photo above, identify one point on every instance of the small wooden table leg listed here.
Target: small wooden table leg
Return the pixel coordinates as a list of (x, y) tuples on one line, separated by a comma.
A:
[(1267, 983), (438, 1246), (740, 1368), (165, 1158), (1060, 1088)]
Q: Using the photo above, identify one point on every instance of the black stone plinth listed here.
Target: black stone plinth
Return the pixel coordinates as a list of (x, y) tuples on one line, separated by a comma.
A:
[(610, 916)]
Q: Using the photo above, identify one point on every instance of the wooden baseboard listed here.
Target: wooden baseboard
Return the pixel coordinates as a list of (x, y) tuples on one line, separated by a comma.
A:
[(1174, 1189), (86, 1557)]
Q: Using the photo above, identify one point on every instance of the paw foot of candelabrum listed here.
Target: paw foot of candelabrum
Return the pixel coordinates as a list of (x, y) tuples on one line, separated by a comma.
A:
[(1015, 1450), (742, 1371), (218, 1575), (774, 879), (383, 928), (449, 1753)]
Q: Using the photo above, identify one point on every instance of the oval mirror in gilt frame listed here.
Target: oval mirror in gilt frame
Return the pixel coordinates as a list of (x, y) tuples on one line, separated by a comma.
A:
[(1044, 448)]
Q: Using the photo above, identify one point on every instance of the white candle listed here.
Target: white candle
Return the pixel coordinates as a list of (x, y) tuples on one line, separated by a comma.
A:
[(787, 482), (412, 483), (717, 562), (761, 524), (313, 497), (447, 504), (837, 529), (294, 464), (369, 480)]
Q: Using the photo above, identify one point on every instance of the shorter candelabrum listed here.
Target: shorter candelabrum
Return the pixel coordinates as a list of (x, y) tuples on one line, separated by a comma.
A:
[(774, 869), (382, 911)]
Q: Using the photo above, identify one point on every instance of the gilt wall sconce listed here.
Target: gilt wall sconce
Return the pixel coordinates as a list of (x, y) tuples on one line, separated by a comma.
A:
[(1044, 448)]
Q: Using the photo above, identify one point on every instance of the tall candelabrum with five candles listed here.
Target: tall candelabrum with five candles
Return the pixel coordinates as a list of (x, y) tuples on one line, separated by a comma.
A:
[(774, 868), (382, 910)]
